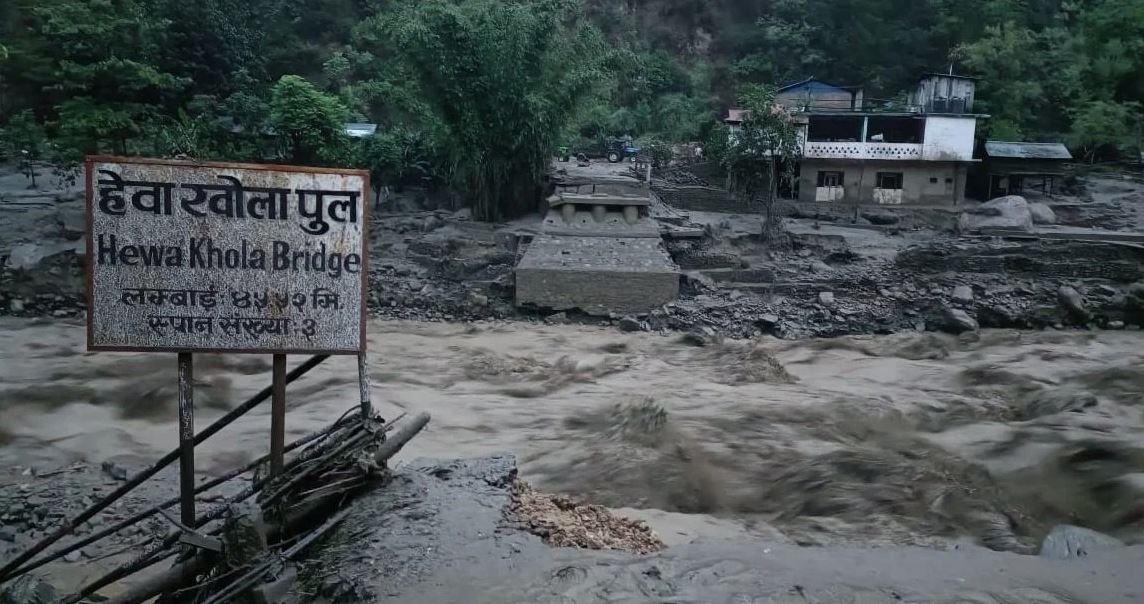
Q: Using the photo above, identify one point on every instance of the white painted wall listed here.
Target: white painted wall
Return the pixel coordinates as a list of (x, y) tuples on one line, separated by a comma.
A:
[(949, 138)]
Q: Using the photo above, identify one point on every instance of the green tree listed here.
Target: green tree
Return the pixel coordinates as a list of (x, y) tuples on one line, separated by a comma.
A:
[(764, 149), (310, 121), (502, 78), (1104, 124), (90, 64), (24, 140)]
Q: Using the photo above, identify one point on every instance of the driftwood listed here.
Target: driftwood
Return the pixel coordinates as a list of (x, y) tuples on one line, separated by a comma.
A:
[(69, 527), (332, 467), (147, 513)]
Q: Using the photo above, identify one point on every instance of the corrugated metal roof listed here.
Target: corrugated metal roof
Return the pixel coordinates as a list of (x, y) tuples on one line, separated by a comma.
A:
[(816, 85), (1019, 150)]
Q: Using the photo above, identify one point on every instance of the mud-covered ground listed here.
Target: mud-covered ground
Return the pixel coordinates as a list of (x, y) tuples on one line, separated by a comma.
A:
[(828, 276)]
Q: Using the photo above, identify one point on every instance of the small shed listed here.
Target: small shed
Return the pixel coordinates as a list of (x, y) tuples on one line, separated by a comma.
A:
[(1019, 168)]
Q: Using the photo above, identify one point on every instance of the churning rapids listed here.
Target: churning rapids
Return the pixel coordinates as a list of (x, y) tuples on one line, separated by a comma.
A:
[(910, 439)]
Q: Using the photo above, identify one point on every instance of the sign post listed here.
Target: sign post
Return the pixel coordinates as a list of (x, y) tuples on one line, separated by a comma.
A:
[(187, 437), (190, 257)]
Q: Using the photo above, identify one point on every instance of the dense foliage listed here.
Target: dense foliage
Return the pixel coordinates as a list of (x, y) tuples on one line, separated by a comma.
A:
[(762, 152), (474, 94)]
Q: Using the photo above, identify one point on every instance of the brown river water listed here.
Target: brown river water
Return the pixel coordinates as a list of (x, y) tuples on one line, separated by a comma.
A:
[(909, 439)]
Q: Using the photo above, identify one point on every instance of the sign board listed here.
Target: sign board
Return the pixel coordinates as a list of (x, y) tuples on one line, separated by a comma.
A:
[(211, 257)]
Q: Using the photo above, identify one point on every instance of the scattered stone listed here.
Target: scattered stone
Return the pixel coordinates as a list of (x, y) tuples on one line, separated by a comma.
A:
[(826, 298), (630, 323), (963, 294), (114, 470), (559, 318), (16, 305), (700, 336), (1068, 541), (1107, 290), (73, 556), (768, 320), (958, 321), (820, 267), (1116, 324), (8, 534)]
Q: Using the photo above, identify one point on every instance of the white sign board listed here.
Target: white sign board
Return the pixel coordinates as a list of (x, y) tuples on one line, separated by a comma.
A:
[(203, 257)]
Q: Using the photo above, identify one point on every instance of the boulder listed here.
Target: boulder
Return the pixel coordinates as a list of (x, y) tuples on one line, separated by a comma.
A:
[(1068, 541), (963, 294), (958, 321), (826, 298), (1010, 212), (700, 336), (1042, 214), (1071, 300), (630, 323)]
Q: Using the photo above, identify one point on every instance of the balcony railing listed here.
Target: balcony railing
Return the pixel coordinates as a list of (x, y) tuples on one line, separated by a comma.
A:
[(856, 150)]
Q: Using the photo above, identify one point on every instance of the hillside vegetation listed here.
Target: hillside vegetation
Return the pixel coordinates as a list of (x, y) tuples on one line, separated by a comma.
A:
[(475, 94)]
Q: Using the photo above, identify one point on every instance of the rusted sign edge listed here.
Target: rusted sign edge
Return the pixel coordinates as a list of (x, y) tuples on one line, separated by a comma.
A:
[(89, 267), (185, 163)]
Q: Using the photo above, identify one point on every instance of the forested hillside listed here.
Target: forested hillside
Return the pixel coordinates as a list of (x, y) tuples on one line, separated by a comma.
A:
[(476, 93)]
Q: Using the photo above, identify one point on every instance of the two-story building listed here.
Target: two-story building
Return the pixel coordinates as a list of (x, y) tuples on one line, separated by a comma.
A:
[(853, 153)]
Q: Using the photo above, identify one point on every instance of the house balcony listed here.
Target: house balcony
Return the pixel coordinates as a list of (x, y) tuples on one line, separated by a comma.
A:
[(856, 150)]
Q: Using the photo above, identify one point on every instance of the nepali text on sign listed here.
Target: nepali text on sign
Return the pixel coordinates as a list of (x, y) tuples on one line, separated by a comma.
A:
[(225, 257)]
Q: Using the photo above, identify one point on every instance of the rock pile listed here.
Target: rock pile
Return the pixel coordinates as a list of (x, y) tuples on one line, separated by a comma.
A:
[(562, 522)]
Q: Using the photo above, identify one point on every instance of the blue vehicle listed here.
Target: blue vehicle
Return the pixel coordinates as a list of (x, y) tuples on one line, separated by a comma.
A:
[(618, 150)]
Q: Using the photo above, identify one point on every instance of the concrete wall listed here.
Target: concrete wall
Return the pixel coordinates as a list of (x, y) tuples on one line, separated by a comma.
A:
[(598, 275), (917, 188), (949, 138)]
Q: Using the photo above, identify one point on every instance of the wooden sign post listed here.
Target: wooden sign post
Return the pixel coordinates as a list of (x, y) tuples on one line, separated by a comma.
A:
[(190, 257)]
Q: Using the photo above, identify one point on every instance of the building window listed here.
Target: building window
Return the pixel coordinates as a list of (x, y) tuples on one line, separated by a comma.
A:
[(889, 180), (830, 179), (949, 181), (933, 180)]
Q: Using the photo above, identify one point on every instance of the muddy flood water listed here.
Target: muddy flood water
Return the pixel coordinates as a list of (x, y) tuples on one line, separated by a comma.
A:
[(910, 439)]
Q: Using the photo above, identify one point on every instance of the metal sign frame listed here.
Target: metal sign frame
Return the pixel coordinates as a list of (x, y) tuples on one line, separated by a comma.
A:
[(89, 283), (187, 437)]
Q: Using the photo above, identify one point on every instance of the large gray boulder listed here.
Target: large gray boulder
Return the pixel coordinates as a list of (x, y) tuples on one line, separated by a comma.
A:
[(1010, 212), (1042, 213), (958, 321), (1073, 302), (1068, 541)]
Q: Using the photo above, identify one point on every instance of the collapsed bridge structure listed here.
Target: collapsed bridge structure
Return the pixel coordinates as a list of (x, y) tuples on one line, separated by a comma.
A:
[(598, 250)]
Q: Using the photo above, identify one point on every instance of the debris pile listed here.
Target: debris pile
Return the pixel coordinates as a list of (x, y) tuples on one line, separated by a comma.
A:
[(563, 522), (247, 540)]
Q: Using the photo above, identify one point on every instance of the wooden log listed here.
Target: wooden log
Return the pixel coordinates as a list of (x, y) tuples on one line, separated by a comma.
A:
[(70, 526), (143, 515)]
